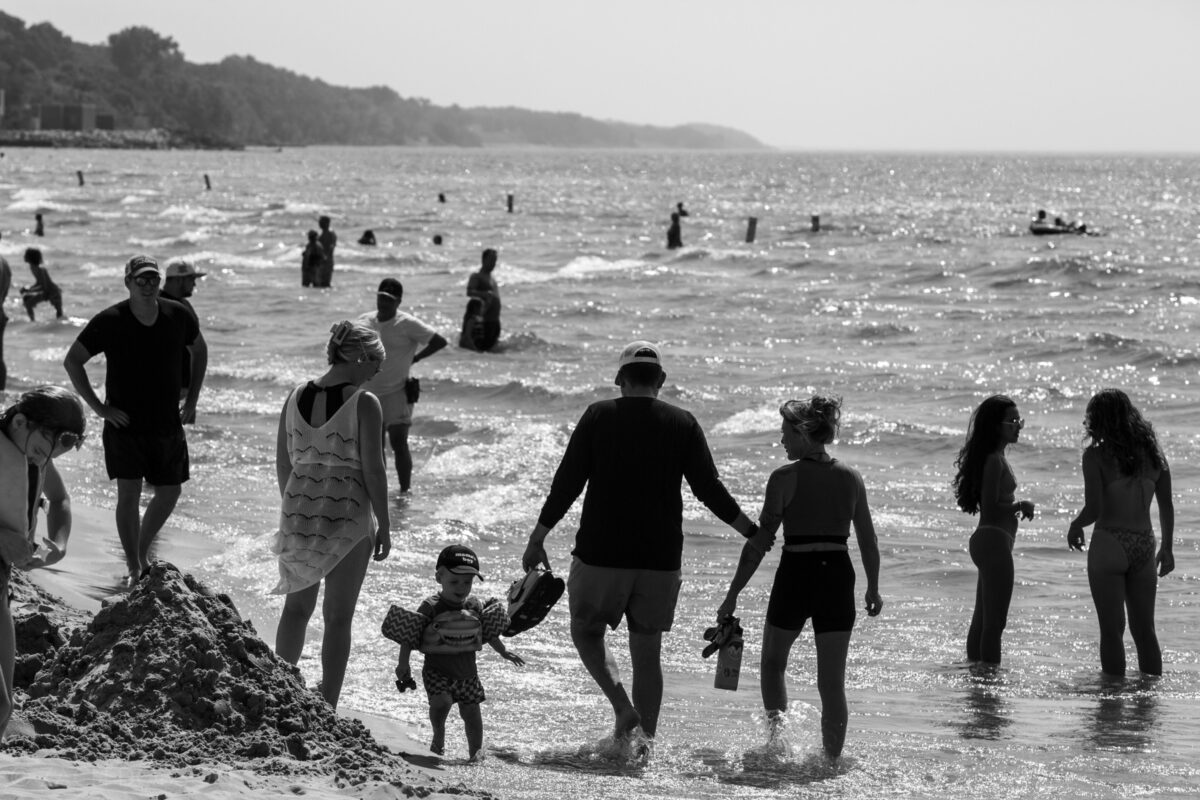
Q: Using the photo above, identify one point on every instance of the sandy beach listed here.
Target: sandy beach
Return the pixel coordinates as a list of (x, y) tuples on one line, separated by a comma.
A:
[(164, 692)]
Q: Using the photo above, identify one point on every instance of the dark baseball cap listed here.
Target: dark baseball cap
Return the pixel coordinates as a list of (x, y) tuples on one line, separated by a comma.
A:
[(459, 559)]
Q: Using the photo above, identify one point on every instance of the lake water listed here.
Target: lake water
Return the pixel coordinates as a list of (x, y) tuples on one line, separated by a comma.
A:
[(921, 294)]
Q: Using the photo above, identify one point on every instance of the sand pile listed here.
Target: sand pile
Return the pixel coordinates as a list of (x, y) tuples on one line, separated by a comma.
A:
[(171, 673)]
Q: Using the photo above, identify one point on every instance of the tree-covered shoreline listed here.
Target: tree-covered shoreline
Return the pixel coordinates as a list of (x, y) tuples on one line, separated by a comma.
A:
[(144, 81)]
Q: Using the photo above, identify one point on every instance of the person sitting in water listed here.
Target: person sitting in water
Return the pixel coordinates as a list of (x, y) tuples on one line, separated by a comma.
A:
[(472, 336), (450, 674), (368, 237)]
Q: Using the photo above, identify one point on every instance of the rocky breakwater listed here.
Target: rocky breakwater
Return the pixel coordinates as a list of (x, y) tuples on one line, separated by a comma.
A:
[(172, 674)]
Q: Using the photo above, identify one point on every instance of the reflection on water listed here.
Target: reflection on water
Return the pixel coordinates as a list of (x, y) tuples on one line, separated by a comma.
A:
[(1125, 717), (987, 714)]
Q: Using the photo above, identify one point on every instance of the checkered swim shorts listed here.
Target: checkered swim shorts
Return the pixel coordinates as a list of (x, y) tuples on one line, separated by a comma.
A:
[(464, 691)]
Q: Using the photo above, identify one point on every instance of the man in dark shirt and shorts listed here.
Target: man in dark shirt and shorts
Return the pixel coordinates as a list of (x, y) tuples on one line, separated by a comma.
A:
[(632, 453), (144, 340)]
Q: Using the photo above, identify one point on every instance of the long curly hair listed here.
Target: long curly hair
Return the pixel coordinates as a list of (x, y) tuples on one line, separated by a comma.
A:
[(817, 418), (983, 436), (1119, 431)]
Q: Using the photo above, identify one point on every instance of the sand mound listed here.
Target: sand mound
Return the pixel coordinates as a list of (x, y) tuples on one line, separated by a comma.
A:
[(171, 673)]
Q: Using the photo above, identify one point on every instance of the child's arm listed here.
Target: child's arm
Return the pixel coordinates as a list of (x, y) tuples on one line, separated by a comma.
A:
[(404, 678), (499, 647)]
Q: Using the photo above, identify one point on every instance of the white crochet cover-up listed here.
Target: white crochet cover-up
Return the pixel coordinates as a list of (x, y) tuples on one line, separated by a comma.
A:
[(325, 510)]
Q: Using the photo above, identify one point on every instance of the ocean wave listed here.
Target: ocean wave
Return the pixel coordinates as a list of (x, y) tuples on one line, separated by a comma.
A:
[(184, 239), (586, 266), (42, 206), (201, 214), (294, 208), (884, 330)]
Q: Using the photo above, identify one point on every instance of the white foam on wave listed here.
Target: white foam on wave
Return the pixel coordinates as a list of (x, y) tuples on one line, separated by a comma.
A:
[(42, 205), (231, 261), (293, 207), (584, 266), (751, 420), (199, 214), (185, 238)]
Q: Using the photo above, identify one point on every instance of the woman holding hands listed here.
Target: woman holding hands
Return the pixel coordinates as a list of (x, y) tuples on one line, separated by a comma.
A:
[(816, 498)]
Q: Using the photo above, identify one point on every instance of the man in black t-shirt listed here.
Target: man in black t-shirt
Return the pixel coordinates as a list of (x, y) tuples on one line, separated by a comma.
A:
[(633, 454), (145, 340)]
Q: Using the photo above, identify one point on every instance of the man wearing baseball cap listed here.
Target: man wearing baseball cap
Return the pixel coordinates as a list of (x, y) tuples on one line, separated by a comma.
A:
[(179, 284), (402, 335), (632, 453), (144, 340)]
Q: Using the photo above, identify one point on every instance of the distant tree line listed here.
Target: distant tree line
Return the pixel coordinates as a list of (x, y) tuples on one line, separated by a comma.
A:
[(141, 76)]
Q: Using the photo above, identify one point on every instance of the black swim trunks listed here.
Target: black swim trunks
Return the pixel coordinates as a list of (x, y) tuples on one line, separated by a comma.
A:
[(159, 459)]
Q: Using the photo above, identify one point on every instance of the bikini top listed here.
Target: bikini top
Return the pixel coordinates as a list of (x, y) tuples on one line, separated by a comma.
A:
[(308, 398)]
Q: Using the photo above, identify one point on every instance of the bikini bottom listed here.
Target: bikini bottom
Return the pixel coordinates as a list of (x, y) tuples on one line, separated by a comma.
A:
[(1138, 545)]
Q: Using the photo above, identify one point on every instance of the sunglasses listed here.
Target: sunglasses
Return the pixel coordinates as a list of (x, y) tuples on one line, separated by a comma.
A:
[(147, 280), (1020, 423), (63, 439)]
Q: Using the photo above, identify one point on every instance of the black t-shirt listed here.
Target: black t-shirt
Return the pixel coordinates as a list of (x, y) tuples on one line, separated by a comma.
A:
[(633, 454), (145, 362)]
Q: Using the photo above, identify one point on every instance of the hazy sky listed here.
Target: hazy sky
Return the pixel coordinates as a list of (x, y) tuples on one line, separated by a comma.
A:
[(1055, 75)]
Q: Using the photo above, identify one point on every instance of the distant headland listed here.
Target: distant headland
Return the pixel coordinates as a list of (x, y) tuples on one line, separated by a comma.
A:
[(139, 91)]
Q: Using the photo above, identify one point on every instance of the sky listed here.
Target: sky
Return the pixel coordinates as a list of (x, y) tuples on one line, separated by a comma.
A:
[(926, 75)]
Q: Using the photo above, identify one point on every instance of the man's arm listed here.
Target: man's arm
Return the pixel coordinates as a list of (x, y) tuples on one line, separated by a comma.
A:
[(199, 351), (77, 356), (701, 474), (436, 343)]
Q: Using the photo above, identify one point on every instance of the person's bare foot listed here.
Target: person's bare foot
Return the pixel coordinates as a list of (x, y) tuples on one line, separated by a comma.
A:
[(627, 722)]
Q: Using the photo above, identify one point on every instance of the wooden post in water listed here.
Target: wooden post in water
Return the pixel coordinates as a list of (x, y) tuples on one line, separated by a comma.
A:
[(79, 174), (510, 204), (816, 222), (207, 182), (751, 229)]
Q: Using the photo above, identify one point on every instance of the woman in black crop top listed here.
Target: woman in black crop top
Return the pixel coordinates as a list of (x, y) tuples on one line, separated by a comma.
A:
[(817, 499)]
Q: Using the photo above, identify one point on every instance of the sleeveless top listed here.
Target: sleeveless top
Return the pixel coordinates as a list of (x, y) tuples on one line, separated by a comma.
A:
[(20, 490), (824, 495), (325, 511)]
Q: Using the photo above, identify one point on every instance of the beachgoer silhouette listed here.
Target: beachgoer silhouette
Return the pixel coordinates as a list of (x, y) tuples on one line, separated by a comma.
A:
[(817, 499), (679, 209), (1123, 470), (674, 235), (334, 501), (368, 237), (482, 284), (179, 285), (39, 229), (985, 483), (311, 260), (406, 340), (328, 241), (472, 337), (144, 340), (437, 238), (632, 454), (43, 289)]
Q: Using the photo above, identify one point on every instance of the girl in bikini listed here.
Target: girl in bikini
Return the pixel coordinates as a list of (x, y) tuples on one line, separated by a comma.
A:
[(985, 484), (1123, 470)]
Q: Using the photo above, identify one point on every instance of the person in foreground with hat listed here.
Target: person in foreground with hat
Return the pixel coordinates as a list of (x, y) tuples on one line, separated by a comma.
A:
[(457, 625), (144, 340), (178, 284), (407, 340), (632, 453)]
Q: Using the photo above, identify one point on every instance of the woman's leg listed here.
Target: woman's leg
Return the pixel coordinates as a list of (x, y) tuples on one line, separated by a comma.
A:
[(1106, 567), (832, 648), (293, 623), (777, 645), (991, 551), (342, 585), (1140, 590)]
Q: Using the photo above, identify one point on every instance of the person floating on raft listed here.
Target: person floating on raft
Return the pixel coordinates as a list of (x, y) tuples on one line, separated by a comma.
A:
[(450, 628), (1042, 226)]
